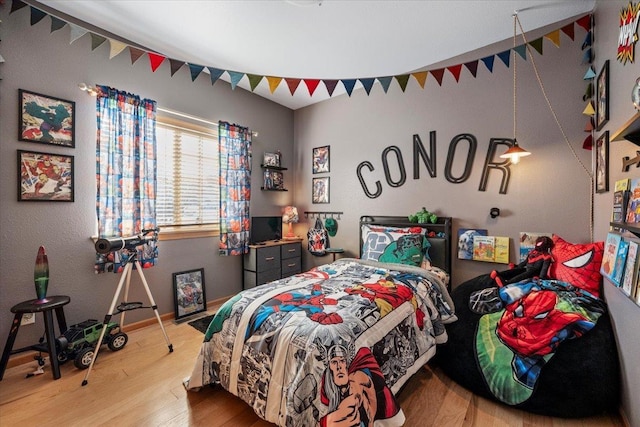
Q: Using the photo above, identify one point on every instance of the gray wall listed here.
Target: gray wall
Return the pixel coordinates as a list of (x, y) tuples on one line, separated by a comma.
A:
[(46, 63), (549, 190)]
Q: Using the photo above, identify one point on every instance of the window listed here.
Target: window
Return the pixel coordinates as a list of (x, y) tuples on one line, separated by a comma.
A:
[(187, 199)]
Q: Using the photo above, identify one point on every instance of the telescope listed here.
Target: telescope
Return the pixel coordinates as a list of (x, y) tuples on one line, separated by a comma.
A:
[(106, 245)]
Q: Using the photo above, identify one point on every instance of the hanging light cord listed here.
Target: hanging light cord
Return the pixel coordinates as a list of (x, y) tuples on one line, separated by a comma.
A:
[(515, 72), (553, 113)]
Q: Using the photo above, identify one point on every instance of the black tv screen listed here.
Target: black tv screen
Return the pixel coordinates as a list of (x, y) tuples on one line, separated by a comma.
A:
[(264, 228)]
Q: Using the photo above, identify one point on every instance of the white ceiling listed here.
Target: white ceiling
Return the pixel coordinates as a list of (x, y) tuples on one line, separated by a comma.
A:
[(316, 39)]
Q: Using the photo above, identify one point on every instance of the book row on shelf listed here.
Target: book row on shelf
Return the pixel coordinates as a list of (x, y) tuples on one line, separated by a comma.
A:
[(626, 201), (621, 262)]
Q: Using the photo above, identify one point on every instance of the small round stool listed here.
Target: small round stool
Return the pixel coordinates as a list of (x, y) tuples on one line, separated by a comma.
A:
[(334, 252), (46, 307)]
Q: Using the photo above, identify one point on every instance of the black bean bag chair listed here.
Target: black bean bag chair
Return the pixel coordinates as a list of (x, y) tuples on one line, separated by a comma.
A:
[(582, 379)]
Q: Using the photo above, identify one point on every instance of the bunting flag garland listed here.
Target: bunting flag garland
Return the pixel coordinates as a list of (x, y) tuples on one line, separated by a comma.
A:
[(588, 92), (589, 110), (588, 143), (156, 59)]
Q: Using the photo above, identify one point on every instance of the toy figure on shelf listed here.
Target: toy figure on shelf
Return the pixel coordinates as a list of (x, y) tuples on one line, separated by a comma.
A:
[(536, 265)]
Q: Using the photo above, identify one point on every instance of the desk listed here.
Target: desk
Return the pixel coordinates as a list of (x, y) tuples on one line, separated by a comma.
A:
[(51, 304), (334, 252)]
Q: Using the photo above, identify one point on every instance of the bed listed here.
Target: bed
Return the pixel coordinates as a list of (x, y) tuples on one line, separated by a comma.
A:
[(333, 345), (543, 346)]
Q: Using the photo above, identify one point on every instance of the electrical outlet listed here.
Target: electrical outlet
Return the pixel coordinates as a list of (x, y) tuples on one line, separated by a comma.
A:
[(28, 319)]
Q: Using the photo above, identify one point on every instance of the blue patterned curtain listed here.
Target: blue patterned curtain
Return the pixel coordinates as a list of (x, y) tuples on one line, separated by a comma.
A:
[(235, 188), (126, 173)]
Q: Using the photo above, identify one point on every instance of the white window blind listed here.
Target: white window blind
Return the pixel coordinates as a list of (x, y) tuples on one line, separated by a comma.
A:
[(187, 174)]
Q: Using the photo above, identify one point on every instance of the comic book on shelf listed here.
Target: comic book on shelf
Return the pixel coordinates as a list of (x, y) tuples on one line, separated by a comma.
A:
[(630, 277), (620, 200), (621, 258), (609, 255), (633, 206), (491, 249)]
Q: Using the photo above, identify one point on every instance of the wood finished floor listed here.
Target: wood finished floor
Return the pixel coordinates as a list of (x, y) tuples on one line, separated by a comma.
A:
[(141, 385)]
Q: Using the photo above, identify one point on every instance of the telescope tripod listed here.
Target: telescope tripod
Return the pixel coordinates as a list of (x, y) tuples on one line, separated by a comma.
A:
[(126, 306)]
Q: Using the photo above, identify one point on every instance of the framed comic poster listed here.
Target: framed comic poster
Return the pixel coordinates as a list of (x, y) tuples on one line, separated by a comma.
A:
[(602, 163), (189, 293), (602, 97), (321, 159), (46, 120), (320, 191), (45, 177), (271, 159)]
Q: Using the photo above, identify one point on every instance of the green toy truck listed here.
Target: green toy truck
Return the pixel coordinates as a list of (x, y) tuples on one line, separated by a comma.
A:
[(79, 341)]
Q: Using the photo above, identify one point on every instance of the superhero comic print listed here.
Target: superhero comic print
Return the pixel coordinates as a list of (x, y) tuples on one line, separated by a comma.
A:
[(327, 347)]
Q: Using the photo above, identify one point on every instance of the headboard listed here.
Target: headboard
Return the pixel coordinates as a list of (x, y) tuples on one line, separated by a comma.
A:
[(440, 251)]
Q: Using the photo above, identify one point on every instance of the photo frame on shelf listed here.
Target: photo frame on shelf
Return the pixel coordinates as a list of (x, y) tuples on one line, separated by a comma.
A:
[(602, 96), (271, 159), (189, 293), (47, 120), (321, 159), (320, 190), (45, 177), (602, 163)]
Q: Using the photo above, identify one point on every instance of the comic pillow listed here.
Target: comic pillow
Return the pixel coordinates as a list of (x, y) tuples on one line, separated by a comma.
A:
[(399, 245), (578, 264)]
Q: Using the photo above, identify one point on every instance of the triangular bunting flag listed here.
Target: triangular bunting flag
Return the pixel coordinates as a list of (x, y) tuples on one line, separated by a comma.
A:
[(155, 60), (588, 143), (488, 62), (537, 45), (330, 85), (554, 36), (274, 82), (588, 93), (438, 74), (195, 71), (96, 41), (421, 77), (368, 84), (522, 51), (455, 70), (175, 65), (76, 33), (589, 127), (36, 15), (56, 24), (403, 79), (587, 40), (1, 59), (587, 57), (17, 5), (254, 81), (589, 110), (568, 30), (504, 56), (235, 76), (385, 82), (312, 84), (348, 85), (215, 74), (472, 67), (293, 84), (589, 74), (585, 22), (115, 48), (135, 54)]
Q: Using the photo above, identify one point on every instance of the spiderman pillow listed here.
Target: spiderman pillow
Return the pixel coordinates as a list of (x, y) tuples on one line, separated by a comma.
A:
[(578, 264)]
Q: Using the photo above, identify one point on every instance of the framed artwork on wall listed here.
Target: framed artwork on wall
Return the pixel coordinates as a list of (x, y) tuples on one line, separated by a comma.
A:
[(45, 177), (602, 163), (321, 159), (46, 120), (602, 97), (271, 159), (320, 190), (189, 293)]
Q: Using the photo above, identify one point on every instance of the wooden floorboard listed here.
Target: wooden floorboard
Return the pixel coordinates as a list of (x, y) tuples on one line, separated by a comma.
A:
[(141, 385)]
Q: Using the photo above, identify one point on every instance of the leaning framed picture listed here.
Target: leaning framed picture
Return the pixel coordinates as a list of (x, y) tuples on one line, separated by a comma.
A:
[(45, 177), (189, 293), (320, 191), (602, 96), (321, 159), (602, 163), (46, 120)]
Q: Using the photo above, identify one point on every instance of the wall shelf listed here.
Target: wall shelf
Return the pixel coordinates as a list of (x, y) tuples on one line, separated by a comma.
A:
[(275, 168), (631, 228), (630, 131)]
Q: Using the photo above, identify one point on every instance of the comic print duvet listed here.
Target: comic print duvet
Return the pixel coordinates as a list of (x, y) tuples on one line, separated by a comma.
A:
[(327, 347)]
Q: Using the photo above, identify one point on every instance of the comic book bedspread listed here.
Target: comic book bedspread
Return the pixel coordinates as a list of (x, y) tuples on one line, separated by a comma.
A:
[(524, 325), (329, 346)]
